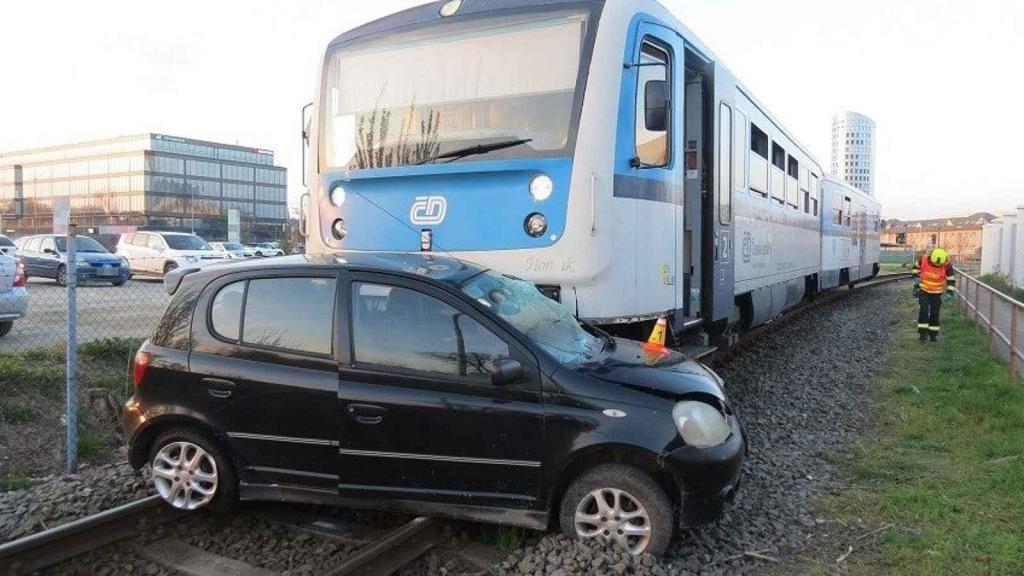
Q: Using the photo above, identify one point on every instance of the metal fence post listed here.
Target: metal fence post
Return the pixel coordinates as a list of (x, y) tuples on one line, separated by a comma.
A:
[(977, 310), (72, 352), (991, 322), (1013, 344)]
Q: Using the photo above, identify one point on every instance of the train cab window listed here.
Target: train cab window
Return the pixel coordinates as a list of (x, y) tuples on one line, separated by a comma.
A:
[(725, 165), (758, 160), (653, 143)]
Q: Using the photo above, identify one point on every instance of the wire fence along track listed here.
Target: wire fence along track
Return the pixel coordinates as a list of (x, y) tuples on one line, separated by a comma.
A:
[(997, 314), (387, 555)]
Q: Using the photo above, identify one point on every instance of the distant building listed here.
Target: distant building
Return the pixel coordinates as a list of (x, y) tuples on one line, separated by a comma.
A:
[(147, 182), (1002, 248), (960, 236), (853, 150)]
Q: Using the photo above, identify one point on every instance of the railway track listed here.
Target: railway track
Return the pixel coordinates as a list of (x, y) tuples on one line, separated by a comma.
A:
[(717, 356), (386, 553)]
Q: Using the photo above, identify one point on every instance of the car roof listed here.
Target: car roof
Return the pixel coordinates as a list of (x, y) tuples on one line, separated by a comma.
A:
[(431, 266)]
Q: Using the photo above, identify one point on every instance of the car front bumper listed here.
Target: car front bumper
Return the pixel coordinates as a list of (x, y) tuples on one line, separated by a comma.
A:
[(13, 304), (87, 273), (708, 477)]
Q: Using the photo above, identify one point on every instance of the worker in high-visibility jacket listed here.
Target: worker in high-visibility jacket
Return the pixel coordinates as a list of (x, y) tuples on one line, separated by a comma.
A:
[(936, 281)]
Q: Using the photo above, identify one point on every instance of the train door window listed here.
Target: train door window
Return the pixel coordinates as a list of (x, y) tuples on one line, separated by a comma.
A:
[(815, 193), (847, 209), (653, 146), (792, 183), (758, 160), (837, 211), (739, 146), (725, 165), (778, 175)]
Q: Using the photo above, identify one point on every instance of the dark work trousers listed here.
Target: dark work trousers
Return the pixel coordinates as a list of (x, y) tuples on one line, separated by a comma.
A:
[(928, 318)]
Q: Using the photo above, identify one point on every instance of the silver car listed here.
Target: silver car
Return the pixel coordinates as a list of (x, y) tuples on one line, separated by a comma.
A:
[(7, 246), (13, 295)]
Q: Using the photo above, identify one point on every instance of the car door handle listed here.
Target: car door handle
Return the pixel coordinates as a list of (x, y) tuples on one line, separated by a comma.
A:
[(367, 413), (218, 388)]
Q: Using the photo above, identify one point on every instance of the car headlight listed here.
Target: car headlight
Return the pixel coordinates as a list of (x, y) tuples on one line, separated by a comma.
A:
[(191, 259), (124, 262), (701, 425)]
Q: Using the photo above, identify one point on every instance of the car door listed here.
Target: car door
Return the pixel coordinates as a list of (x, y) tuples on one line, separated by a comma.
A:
[(263, 372), (49, 259), (155, 250), (29, 255), (137, 252), (420, 418)]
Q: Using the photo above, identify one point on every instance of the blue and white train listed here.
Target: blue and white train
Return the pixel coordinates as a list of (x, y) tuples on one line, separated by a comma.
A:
[(596, 148)]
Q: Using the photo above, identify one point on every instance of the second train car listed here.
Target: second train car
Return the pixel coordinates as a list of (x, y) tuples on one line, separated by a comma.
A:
[(598, 149)]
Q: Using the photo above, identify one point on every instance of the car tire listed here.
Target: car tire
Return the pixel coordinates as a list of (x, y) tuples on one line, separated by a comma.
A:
[(62, 275), (625, 490), (186, 488), (170, 266), (5, 328), (119, 282)]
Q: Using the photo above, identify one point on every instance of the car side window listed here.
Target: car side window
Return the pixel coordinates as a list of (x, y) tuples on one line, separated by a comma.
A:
[(295, 314), (47, 243), (141, 240), (33, 245), (156, 242), (226, 311), (402, 329)]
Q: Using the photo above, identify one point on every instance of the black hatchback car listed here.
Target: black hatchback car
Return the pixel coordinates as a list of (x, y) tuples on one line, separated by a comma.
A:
[(423, 384)]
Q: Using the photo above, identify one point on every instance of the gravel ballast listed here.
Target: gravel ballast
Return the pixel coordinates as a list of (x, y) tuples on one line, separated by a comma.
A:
[(803, 394)]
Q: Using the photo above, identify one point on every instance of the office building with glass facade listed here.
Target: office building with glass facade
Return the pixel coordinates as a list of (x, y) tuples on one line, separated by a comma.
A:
[(145, 182), (853, 150)]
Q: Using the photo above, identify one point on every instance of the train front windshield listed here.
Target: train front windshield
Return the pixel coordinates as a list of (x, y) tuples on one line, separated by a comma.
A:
[(406, 99)]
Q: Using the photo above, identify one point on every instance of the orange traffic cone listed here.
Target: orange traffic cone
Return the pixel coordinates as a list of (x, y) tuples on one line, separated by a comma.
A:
[(656, 343)]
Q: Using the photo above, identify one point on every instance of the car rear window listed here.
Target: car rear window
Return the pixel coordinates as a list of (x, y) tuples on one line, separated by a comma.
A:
[(5, 241)]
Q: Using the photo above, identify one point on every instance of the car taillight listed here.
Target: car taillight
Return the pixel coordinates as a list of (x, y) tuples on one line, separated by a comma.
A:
[(19, 275), (142, 360)]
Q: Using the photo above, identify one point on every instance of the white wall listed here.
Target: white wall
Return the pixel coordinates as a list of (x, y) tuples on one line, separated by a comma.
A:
[(1002, 246)]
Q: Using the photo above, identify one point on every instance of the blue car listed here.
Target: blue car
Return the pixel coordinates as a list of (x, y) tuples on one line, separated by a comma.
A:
[(45, 256)]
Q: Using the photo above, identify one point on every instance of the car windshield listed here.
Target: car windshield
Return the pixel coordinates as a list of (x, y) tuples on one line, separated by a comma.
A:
[(545, 322), (186, 242), (407, 98), (5, 241), (82, 244)]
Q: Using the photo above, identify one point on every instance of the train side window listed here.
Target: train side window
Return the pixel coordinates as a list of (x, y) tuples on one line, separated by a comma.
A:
[(758, 160), (725, 165), (847, 209), (653, 143), (792, 183), (739, 146)]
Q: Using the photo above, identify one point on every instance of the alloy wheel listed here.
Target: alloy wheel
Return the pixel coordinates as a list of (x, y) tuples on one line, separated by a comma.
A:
[(614, 516), (185, 475)]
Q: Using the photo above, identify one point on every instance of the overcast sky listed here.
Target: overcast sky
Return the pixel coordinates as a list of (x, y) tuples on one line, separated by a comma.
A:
[(942, 78)]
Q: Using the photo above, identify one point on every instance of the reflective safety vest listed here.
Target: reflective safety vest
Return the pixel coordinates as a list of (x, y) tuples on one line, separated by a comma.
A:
[(934, 278)]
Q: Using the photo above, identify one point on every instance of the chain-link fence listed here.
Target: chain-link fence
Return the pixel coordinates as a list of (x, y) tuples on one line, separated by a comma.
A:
[(112, 319)]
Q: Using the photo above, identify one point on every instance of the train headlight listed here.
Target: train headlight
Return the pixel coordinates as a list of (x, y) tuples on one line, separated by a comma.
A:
[(541, 187), (701, 425), (338, 196), (339, 229), (536, 225), (450, 8)]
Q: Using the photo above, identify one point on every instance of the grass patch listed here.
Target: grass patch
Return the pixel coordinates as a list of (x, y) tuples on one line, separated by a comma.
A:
[(15, 413), (946, 469), (506, 539), (1003, 283), (14, 482)]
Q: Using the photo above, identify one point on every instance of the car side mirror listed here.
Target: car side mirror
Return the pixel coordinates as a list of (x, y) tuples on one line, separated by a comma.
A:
[(656, 105), (507, 371)]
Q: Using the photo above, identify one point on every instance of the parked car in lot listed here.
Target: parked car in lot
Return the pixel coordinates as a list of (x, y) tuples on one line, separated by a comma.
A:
[(157, 253), (423, 384), (7, 246), (266, 249), (233, 249), (13, 295), (45, 256)]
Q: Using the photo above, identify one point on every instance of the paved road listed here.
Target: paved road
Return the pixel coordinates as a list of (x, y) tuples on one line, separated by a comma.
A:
[(104, 311)]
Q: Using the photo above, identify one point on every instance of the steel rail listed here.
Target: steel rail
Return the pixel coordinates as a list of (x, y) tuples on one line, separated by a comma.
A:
[(53, 546), (393, 551)]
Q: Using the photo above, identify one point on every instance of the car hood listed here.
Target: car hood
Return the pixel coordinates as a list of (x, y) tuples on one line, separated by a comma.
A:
[(99, 258), (207, 254), (668, 376)]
